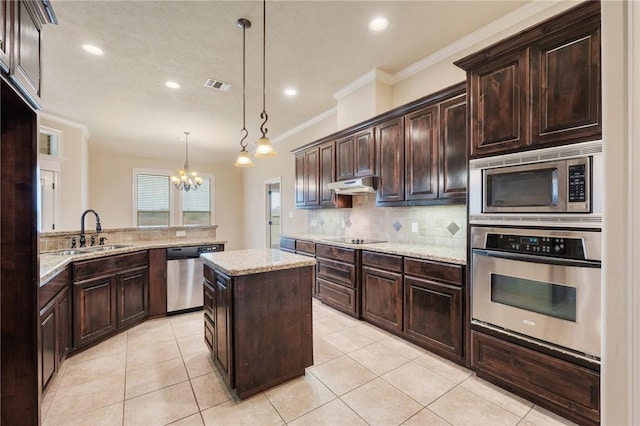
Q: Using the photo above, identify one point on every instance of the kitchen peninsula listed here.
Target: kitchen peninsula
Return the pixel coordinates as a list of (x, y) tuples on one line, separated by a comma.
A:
[(257, 320)]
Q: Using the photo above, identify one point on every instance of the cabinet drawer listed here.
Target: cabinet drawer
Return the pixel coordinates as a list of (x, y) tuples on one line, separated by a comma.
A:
[(52, 287), (208, 332), (388, 262), (305, 247), (336, 253), (208, 297), (287, 243), (450, 274), (336, 295), (572, 390), (108, 265), (338, 272)]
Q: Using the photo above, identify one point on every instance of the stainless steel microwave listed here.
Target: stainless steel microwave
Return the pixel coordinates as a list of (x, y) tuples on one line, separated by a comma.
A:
[(552, 182)]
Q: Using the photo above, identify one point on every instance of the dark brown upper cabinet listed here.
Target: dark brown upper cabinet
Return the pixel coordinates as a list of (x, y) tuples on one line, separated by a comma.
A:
[(390, 167), (5, 33), (312, 171), (421, 154), (356, 155), (539, 88), (452, 158)]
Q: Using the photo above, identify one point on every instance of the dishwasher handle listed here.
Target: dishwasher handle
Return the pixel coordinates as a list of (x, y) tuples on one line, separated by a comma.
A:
[(174, 253)]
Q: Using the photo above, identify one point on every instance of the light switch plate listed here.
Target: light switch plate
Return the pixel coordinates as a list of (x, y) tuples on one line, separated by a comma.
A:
[(414, 226), (181, 233), (290, 215)]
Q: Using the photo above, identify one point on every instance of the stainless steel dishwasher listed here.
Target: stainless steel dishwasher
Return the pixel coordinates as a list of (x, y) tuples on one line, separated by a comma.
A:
[(184, 278)]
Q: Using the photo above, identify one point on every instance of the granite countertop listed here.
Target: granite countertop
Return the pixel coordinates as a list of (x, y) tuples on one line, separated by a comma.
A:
[(420, 251), (253, 261), (51, 263)]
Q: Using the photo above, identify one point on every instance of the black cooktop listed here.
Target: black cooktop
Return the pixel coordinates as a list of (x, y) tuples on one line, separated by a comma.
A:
[(353, 240)]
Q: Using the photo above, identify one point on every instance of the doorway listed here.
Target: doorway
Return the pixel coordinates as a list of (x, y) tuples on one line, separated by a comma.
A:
[(274, 210)]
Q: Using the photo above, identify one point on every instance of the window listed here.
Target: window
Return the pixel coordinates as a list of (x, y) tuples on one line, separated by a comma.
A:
[(158, 203)]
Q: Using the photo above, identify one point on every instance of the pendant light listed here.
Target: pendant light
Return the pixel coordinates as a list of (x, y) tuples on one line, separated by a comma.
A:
[(187, 180), (264, 149), (244, 160)]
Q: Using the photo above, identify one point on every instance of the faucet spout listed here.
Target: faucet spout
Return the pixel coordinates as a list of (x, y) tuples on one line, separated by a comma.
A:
[(98, 225)]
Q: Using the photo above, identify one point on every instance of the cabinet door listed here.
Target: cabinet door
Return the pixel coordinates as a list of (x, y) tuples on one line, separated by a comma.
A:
[(26, 67), (382, 298), (453, 148), (94, 309), (223, 350), (327, 173), (48, 344), (421, 151), (364, 154), (133, 296), (433, 315), (5, 33), (500, 114), (344, 158), (63, 324), (565, 77), (390, 138), (300, 178), (312, 177)]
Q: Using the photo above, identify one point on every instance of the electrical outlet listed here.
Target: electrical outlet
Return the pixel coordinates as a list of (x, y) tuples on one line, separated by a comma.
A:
[(414, 226), (290, 215), (181, 233), (313, 223)]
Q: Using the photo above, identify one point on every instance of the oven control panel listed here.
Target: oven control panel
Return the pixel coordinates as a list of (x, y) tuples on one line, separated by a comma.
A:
[(538, 245)]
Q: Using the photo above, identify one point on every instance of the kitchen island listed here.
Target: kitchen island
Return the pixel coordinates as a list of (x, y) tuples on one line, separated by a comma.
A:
[(257, 316)]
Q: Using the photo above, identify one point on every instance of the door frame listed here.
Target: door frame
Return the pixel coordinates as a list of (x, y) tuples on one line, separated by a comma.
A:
[(267, 213)]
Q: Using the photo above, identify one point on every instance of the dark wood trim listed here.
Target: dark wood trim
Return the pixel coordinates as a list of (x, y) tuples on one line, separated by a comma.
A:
[(157, 282)]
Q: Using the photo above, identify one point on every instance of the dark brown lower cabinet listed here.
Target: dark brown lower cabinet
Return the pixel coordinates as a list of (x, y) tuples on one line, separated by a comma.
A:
[(570, 390), (382, 295), (222, 336), (55, 335), (337, 278), (109, 294)]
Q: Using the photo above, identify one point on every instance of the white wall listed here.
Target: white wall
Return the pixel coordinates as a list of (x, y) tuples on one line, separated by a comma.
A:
[(110, 188)]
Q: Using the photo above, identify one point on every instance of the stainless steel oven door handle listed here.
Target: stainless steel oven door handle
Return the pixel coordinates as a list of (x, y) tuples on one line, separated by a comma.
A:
[(538, 259)]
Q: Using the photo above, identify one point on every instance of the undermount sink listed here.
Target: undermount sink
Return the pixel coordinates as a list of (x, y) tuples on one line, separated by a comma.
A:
[(83, 250)]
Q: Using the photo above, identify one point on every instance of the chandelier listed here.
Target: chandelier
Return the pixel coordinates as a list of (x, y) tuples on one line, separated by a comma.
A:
[(244, 160), (264, 148), (187, 180)]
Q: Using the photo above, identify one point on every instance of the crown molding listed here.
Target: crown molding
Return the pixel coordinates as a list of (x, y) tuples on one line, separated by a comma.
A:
[(372, 75), (83, 128), (318, 118)]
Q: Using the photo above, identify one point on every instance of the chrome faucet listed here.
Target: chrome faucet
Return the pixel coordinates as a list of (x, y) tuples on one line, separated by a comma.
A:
[(83, 241)]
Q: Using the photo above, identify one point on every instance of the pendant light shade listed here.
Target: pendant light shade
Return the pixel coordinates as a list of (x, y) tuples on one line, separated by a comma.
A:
[(244, 159), (264, 149), (186, 179)]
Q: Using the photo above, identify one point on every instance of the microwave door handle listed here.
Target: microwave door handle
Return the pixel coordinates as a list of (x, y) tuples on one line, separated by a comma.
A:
[(538, 259)]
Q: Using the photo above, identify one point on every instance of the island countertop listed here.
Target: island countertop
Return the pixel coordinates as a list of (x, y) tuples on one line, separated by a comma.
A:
[(253, 261)]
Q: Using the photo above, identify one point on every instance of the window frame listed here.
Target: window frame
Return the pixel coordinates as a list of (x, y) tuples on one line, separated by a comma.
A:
[(175, 198)]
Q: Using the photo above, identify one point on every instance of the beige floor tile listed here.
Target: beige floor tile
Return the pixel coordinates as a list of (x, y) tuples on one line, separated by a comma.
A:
[(193, 420), (161, 407), (151, 325), (419, 383), (426, 417), (253, 411), (403, 347), (378, 358), (177, 319), (538, 416), (503, 398), (379, 403), (83, 398), (445, 368), (113, 346), (192, 344), (160, 332), (327, 325), (191, 327), (142, 355), (348, 340), (45, 404), (155, 376), (106, 416), (55, 382), (198, 363), (372, 332), (210, 390), (81, 372), (342, 374), (462, 407), (333, 413), (299, 396), (323, 351)]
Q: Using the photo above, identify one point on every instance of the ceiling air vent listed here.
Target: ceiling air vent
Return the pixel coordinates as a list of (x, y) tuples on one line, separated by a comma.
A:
[(217, 84)]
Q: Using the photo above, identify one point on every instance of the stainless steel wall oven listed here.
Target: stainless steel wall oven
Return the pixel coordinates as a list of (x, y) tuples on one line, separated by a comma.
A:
[(541, 285)]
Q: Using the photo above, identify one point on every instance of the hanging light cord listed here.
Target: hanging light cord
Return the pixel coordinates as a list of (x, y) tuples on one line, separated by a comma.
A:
[(244, 131), (186, 136), (263, 114)]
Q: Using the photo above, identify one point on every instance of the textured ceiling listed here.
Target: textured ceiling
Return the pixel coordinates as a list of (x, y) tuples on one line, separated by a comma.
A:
[(317, 47)]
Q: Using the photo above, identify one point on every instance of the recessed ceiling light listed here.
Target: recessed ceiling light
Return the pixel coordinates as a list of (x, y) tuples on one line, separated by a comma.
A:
[(290, 91), (378, 24), (172, 85), (94, 50)]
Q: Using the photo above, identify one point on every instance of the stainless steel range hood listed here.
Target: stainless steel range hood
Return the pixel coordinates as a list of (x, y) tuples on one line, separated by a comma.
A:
[(354, 186)]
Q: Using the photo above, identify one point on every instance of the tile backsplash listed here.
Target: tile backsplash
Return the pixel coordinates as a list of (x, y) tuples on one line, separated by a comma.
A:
[(444, 226)]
